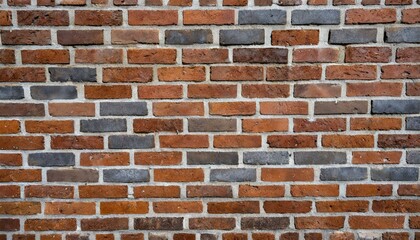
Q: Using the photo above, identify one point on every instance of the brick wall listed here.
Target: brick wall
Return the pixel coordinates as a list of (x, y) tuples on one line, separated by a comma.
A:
[(209, 119)]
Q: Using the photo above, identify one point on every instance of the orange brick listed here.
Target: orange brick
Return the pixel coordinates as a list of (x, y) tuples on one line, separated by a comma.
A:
[(287, 174), (179, 175), (124, 207), (237, 141), (178, 207), (70, 208)]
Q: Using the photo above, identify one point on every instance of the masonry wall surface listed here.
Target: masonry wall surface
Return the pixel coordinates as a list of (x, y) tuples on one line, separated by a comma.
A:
[(209, 119)]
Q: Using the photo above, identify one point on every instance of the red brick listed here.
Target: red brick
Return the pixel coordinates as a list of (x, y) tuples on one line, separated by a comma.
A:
[(178, 109), (5, 18), (9, 126), (212, 223), (236, 73), (131, 36), (179, 175), (351, 72), (319, 222), (368, 190), (376, 157), (178, 207), (20, 208), (212, 55), (107, 92), (39, 191), (376, 222), (157, 192), (157, 158), (232, 108), (184, 141), (265, 125), (319, 125), (209, 17), (395, 206), (368, 54), (71, 109), (408, 54), (316, 55), (190, 74), (261, 191), (348, 141), (104, 224), (52, 126), (212, 91), (374, 89), (265, 90), (80, 37), (342, 206), (237, 141), (399, 140), (409, 190), (410, 16), (10, 159), (160, 92), (294, 37), (284, 108), (318, 90), (21, 143), (235, 2), (103, 191), (180, 3), (401, 71), (287, 206), (26, 37), (77, 142), (124, 207), (9, 191), (128, 74), (7, 56), (292, 141), (287, 174), (323, 190), (45, 56), (152, 56), (22, 74), (208, 191), (413, 89), (157, 125), (43, 18), (294, 73), (68, 224), (98, 18), (233, 207), (375, 123), (104, 159), (99, 56), (152, 17), (371, 16)]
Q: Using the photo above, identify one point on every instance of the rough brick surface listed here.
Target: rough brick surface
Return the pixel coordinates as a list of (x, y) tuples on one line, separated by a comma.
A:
[(209, 119)]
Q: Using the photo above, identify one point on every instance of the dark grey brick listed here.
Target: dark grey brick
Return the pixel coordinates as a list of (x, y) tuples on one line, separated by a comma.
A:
[(266, 158), (158, 223), (187, 37), (123, 109), (318, 17), (211, 125), (343, 174), (263, 17), (73, 175), (11, 92), (126, 175), (242, 37), (131, 141), (395, 174), (318, 157), (72, 74), (395, 106), (264, 223), (413, 157), (260, 55), (412, 123), (402, 35), (210, 158), (208, 236), (53, 92), (233, 175), (51, 159), (340, 107), (352, 36), (103, 125)]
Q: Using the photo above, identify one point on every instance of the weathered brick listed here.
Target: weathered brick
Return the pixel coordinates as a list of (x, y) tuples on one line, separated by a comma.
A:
[(211, 125), (53, 92), (398, 140), (72, 175), (368, 157), (212, 223), (315, 55), (241, 37), (72, 74), (376, 222), (20, 175), (11, 92), (26, 37), (188, 37), (104, 224), (124, 207), (409, 190), (50, 224), (322, 158), (7, 56), (125, 175), (292, 141), (265, 125), (401, 71), (170, 74), (284, 108), (236, 73), (371, 16), (158, 223), (103, 125), (315, 190), (266, 158), (157, 125), (5, 18), (294, 37), (343, 174), (413, 157), (317, 90), (21, 109), (152, 17), (319, 125), (368, 190), (123, 109), (209, 17), (233, 175), (184, 141), (333, 222), (294, 73), (316, 17), (212, 55), (233, 207), (341, 107), (368, 54), (260, 17), (77, 142), (402, 35), (45, 56), (51, 159), (408, 54), (39, 191), (80, 37), (395, 106), (265, 223), (395, 174), (352, 36), (157, 192), (98, 56), (260, 55), (287, 206), (267, 191), (98, 17), (71, 109), (209, 191), (130, 142), (287, 174), (237, 141), (348, 141), (43, 18), (410, 15), (9, 224), (131, 36), (22, 74)]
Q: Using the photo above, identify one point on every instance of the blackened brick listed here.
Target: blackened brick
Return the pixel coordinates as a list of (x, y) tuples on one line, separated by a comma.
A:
[(241, 37), (72, 74), (266, 158), (103, 125), (320, 157), (402, 35), (53, 92), (264, 223), (263, 17), (233, 175), (395, 106), (158, 223), (318, 17), (212, 158), (211, 125), (188, 37), (260, 55), (352, 36), (123, 109), (126, 175), (72, 175), (343, 174), (131, 142), (395, 174), (11, 92), (51, 159)]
